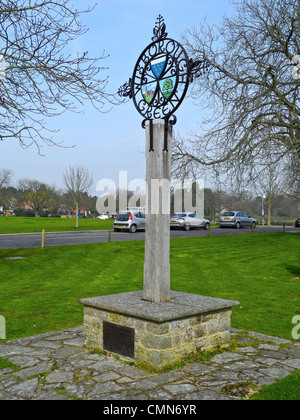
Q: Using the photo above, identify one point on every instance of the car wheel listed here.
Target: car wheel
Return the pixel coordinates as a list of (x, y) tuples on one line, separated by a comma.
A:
[(133, 229), (187, 227), (206, 226), (116, 230), (238, 225)]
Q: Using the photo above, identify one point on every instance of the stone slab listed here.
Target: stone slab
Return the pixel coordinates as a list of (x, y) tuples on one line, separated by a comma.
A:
[(181, 305)]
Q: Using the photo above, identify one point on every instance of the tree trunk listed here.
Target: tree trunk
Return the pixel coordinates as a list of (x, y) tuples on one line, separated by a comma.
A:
[(76, 215), (269, 210)]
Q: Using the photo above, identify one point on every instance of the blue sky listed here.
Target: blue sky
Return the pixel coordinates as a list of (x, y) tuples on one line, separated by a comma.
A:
[(114, 141)]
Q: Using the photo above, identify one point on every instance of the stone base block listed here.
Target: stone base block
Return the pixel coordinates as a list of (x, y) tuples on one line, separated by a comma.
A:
[(157, 334)]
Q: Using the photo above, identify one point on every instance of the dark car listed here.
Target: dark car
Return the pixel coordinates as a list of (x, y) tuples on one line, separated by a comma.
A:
[(297, 222)]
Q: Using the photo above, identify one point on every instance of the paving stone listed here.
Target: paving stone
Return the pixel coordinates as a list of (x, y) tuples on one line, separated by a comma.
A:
[(10, 350), (208, 395), (248, 350), (198, 369), (274, 354), (24, 361), (66, 351), (105, 388), (292, 363), (34, 371), (58, 360), (75, 390), (268, 347), (51, 396), (275, 372), (184, 388), (227, 357), (105, 377), (60, 377), (24, 389), (160, 395)]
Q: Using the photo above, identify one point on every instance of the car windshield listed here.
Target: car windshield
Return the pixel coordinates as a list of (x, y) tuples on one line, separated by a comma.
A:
[(228, 213), (179, 215)]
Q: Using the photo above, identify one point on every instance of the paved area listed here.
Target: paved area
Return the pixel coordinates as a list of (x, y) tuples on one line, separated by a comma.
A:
[(57, 366)]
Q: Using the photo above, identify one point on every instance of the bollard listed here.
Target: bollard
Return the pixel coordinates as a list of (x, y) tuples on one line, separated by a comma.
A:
[(208, 233), (43, 238), (109, 235), (2, 328), (283, 227)]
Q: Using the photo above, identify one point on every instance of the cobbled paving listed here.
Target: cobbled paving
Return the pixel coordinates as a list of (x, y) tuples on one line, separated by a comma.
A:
[(56, 366)]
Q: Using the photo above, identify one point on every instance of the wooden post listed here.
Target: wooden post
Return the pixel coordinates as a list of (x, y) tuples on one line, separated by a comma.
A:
[(43, 238), (157, 235)]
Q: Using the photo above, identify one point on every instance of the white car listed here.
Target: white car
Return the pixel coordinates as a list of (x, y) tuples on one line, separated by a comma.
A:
[(188, 221), (103, 216)]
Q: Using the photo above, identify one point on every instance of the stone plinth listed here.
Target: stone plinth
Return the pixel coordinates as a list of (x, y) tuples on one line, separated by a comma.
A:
[(161, 333)]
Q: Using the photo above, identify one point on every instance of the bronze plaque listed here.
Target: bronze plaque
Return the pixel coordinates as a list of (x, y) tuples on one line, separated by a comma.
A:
[(118, 339)]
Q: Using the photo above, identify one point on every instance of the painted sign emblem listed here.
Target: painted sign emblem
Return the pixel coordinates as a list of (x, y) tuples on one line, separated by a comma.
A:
[(158, 66)]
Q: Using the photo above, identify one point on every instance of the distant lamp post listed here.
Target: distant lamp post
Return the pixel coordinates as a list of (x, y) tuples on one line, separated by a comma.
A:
[(262, 209)]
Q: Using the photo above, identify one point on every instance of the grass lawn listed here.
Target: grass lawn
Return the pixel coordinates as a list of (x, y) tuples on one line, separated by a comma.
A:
[(283, 390), (37, 224), (40, 293)]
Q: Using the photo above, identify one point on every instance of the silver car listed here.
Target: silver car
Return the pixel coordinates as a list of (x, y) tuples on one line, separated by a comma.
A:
[(130, 220), (187, 221), (236, 219)]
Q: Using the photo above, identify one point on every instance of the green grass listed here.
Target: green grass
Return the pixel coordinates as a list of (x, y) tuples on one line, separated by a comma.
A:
[(6, 364), (41, 293), (287, 389), (37, 224)]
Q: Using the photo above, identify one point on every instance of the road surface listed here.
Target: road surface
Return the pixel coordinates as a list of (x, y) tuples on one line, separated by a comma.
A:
[(34, 240)]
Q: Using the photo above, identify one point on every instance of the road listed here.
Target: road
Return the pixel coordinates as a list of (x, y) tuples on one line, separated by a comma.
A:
[(34, 240)]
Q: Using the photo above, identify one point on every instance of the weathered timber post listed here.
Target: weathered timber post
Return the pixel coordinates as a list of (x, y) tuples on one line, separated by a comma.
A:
[(157, 237)]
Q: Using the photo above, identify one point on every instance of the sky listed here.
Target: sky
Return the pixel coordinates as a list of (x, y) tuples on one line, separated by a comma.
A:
[(111, 142)]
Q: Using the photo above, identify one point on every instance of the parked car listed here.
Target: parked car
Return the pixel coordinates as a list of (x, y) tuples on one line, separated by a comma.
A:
[(188, 221), (130, 220), (297, 222), (236, 219), (103, 217)]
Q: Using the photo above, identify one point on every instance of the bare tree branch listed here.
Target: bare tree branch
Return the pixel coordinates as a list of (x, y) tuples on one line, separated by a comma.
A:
[(249, 99), (78, 181), (42, 77)]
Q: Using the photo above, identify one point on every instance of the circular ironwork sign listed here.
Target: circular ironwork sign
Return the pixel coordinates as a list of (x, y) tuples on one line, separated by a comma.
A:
[(161, 76)]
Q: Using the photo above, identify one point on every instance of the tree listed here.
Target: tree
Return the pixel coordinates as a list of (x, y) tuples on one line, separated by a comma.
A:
[(5, 177), (249, 89), (41, 78), (35, 194), (168, 85), (78, 181)]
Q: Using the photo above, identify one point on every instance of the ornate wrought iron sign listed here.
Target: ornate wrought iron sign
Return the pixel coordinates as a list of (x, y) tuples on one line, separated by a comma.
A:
[(161, 77)]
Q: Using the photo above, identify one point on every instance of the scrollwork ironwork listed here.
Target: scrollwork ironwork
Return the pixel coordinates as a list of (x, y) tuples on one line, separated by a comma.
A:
[(161, 76)]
